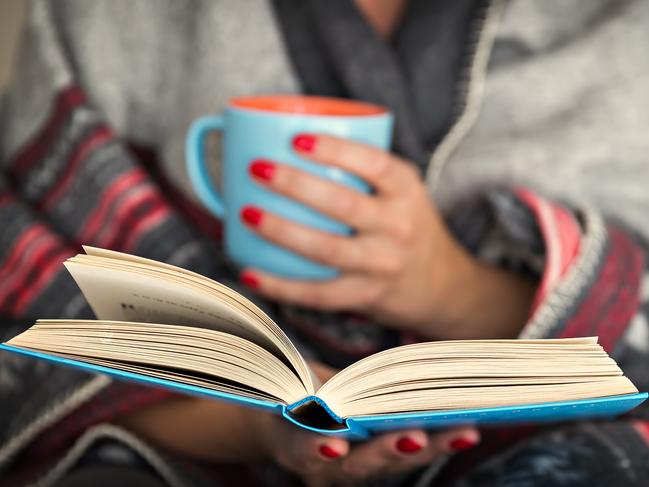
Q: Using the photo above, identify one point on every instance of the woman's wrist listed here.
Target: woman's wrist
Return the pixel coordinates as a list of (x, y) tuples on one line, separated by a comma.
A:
[(262, 426), (201, 428), (474, 300)]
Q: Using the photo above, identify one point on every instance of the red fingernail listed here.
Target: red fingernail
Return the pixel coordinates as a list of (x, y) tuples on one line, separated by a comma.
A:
[(408, 445), (304, 143), (327, 451), (251, 215), (249, 279), (262, 169), (460, 444)]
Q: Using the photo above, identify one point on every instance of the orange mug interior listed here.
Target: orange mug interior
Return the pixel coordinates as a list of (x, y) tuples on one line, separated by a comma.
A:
[(309, 105)]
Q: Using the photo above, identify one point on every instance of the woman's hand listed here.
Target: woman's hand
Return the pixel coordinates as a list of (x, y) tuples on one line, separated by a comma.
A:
[(327, 461), (401, 266)]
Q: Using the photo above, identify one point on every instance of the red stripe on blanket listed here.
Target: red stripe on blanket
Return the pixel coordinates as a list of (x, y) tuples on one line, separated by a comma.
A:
[(94, 140), (561, 235), (32, 151), (135, 205), (30, 267), (139, 220), (107, 201), (31, 273), (613, 299), (22, 249), (156, 217), (49, 266)]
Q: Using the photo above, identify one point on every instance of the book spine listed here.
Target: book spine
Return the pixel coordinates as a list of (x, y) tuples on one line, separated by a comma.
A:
[(314, 414)]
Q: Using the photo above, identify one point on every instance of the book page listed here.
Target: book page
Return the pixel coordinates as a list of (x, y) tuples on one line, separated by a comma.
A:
[(129, 296), (130, 289), (474, 374), (190, 355)]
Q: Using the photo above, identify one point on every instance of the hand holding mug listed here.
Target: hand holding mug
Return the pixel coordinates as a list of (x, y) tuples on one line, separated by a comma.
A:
[(262, 127), (395, 265), (319, 214)]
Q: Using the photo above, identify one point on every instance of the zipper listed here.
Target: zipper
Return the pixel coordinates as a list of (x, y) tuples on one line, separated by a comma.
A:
[(471, 92)]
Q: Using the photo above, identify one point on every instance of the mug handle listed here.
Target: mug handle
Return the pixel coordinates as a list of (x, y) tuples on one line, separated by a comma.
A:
[(197, 162)]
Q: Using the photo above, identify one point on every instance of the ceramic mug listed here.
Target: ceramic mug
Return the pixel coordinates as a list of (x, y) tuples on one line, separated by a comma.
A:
[(263, 127)]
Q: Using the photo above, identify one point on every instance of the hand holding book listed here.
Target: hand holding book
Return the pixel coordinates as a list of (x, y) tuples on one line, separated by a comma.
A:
[(320, 460), (221, 432), (401, 266)]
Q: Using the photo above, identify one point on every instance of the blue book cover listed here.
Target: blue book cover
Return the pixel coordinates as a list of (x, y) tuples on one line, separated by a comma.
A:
[(365, 426)]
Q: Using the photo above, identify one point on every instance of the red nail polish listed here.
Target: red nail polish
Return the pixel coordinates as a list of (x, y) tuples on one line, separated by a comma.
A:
[(460, 444), (327, 451), (262, 169), (249, 279), (304, 143), (408, 445), (251, 215)]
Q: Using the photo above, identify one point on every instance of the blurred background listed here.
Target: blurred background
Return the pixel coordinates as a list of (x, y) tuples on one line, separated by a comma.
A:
[(11, 16)]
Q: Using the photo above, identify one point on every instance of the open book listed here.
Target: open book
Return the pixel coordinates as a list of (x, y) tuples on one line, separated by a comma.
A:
[(169, 327)]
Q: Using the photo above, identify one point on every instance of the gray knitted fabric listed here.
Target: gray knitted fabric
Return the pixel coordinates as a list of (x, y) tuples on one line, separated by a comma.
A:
[(565, 109), (150, 67)]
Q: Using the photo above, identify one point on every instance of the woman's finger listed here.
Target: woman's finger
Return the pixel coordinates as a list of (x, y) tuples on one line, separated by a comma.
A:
[(385, 172), (439, 444), (350, 254), (305, 452), (403, 450), (382, 454), (358, 210)]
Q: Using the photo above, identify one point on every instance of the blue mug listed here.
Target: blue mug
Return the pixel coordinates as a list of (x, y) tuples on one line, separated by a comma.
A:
[(263, 127)]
